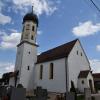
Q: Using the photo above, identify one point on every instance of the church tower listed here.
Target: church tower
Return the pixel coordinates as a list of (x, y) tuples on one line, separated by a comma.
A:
[(27, 52)]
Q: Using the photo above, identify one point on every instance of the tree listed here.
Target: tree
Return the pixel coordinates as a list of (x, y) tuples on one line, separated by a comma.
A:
[(20, 86), (5, 78)]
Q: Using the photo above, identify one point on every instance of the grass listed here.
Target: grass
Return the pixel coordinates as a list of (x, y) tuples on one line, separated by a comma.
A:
[(81, 97)]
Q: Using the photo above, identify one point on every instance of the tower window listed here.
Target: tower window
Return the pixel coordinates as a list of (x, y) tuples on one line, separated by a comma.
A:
[(28, 24), (41, 71), (32, 37), (33, 28), (51, 71), (27, 29), (28, 67), (77, 52), (81, 54)]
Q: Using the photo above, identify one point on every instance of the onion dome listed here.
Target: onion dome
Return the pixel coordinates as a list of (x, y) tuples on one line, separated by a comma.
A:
[(31, 17)]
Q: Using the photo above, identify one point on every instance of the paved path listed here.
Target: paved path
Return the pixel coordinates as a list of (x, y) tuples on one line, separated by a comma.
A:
[(97, 96)]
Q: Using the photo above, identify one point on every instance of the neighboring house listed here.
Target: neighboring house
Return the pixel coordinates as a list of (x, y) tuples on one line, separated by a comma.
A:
[(53, 69), (96, 77)]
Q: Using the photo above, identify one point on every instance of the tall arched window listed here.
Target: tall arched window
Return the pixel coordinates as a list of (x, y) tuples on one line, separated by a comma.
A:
[(28, 67), (32, 37), (41, 71), (51, 71), (33, 28)]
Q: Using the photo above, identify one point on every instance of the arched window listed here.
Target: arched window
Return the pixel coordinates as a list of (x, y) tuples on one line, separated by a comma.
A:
[(28, 67), (32, 37), (51, 71), (41, 71), (81, 54), (33, 28), (77, 52), (82, 81)]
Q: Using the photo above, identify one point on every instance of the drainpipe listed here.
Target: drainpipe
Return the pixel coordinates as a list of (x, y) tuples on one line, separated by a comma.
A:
[(66, 73)]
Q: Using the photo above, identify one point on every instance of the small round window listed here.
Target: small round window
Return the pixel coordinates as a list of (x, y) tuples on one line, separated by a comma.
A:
[(82, 81)]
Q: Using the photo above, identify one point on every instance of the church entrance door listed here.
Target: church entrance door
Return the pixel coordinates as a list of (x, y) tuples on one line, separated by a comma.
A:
[(91, 86)]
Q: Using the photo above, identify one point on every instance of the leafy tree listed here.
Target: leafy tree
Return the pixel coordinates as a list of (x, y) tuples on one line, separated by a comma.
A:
[(19, 86)]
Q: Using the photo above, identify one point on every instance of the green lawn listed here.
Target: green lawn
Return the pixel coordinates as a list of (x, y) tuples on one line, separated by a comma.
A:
[(81, 97)]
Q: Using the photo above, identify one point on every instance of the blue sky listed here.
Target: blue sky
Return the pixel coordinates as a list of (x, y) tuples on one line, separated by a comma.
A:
[(60, 21)]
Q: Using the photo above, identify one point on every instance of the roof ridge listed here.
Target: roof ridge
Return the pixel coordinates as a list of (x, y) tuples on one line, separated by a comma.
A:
[(58, 46), (57, 52)]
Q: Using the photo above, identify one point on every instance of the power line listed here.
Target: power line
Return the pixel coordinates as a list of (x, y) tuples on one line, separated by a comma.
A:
[(95, 5)]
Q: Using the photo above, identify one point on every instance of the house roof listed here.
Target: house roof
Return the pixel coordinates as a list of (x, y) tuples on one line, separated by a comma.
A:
[(56, 53), (83, 74), (96, 75), (13, 74)]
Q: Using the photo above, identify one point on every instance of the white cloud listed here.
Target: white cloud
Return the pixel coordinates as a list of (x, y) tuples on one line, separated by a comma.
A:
[(13, 30), (2, 33), (39, 32), (40, 6), (85, 29), (95, 64), (98, 47), (4, 19), (6, 67), (10, 41), (10, 68)]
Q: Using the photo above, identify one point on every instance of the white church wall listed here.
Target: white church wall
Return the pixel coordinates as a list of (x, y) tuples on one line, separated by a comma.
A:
[(81, 85), (27, 52), (76, 63), (86, 83), (11, 81), (28, 59), (19, 57), (58, 83), (90, 78)]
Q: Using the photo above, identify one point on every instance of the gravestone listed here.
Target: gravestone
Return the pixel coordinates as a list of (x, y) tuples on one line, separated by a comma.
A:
[(70, 96), (18, 94), (87, 93), (41, 94)]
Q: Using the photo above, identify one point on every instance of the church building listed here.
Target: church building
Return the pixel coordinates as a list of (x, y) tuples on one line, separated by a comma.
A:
[(54, 69)]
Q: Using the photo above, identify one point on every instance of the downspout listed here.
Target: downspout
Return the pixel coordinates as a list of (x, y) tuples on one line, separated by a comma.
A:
[(66, 73)]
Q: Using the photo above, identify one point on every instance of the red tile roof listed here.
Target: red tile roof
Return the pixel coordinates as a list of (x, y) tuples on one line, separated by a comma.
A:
[(96, 75), (56, 53), (83, 74), (13, 74)]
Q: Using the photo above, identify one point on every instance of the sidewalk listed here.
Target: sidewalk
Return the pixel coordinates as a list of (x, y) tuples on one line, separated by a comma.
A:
[(97, 96)]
